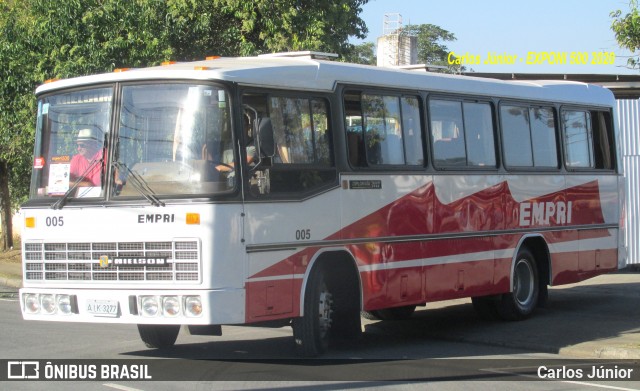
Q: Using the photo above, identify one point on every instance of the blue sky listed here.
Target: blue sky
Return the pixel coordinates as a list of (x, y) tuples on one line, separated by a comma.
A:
[(515, 28)]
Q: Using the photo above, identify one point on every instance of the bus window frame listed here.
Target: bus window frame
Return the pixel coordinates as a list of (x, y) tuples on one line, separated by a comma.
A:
[(230, 194), (399, 93), (77, 201), (612, 141), (248, 171), (463, 98), (559, 137)]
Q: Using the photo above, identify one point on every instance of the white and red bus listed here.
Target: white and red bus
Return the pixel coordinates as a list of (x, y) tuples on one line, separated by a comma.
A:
[(278, 190)]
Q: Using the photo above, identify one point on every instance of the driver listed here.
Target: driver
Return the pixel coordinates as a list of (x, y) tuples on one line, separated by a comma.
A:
[(89, 146)]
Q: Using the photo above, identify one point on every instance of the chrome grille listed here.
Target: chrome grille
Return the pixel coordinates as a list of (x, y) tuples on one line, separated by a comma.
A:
[(81, 261)]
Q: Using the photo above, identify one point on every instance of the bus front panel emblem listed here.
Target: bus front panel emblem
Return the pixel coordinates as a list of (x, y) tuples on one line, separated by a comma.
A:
[(104, 261)]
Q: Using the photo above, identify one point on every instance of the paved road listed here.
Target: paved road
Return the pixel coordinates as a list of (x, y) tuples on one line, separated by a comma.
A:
[(581, 320)]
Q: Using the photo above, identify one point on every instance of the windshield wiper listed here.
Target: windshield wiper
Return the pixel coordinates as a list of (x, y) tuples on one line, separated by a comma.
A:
[(60, 203), (139, 184)]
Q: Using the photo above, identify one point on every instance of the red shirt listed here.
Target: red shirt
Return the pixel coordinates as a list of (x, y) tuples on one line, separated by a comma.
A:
[(79, 165)]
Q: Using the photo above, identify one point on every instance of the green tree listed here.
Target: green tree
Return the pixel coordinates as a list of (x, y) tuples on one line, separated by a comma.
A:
[(293, 25), (364, 53), (431, 38), (43, 39), (17, 79), (627, 31)]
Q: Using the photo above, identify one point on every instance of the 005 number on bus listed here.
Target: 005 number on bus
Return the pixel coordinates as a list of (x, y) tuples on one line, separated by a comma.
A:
[(54, 221)]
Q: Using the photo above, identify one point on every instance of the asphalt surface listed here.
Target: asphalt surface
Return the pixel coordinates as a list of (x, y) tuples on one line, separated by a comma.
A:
[(596, 318)]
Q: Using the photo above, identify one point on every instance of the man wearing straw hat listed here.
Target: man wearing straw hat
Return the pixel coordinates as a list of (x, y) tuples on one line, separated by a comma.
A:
[(89, 144)]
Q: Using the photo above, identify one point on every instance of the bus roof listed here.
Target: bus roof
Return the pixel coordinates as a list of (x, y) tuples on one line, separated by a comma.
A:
[(320, 75)]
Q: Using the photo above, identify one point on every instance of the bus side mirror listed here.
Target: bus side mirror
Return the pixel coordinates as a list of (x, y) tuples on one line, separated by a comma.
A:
[(265, 138)]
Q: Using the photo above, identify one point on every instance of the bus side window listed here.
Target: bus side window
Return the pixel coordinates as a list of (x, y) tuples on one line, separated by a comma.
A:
[(544, 137), (578, 138), (603, 140), (302, 160), (516, 136), (300, 130), (447, 133), (478, 124), (529, 136), (353, 126), (589, 139), (412, 130), (383, 130)]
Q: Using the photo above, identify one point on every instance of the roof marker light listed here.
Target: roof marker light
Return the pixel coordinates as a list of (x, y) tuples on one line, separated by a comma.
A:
[(213, 57), (118, 70), (165, 63), (200, 68)]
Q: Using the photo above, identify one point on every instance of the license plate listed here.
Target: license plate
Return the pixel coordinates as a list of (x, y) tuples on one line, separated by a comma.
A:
[(102, 307)]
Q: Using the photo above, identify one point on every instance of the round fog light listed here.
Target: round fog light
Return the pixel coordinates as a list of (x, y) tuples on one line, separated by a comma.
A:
[(193, 305), (149, 305), (48, 304), (31, 303), (171, 305)]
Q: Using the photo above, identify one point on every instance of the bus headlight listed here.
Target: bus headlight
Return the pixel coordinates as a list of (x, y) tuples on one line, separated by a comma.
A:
[(170, 306), (64, 304), (48, 303), (193, 306), (31, 303), (149, 305)]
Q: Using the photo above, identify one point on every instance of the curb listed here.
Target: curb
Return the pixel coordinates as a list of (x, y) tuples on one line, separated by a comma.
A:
[(618, 353), (600, 352)]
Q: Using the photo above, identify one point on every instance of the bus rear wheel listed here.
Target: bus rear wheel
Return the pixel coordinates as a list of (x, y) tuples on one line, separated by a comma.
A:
[(312, 331), (523, 299), (158, 336)]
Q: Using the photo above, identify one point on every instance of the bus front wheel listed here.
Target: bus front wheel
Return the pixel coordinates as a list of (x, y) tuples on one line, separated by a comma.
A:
[(158, 336), (311, 332)]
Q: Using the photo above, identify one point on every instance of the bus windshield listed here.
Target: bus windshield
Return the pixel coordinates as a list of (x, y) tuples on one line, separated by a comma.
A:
[(171, 139)]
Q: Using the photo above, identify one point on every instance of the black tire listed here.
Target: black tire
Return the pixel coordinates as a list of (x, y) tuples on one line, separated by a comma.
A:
[(312, 332), (158, 336), (522, 300), (485, 306), (543, 294), (346, 324)]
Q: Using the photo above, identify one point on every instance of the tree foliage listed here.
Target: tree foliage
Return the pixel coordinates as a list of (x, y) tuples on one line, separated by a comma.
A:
[(431, 38), (44, 39), (17, 76), (364, 53), (627, 31)]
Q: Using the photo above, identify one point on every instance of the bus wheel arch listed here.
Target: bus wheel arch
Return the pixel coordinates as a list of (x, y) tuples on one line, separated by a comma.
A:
[(330, 301)]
